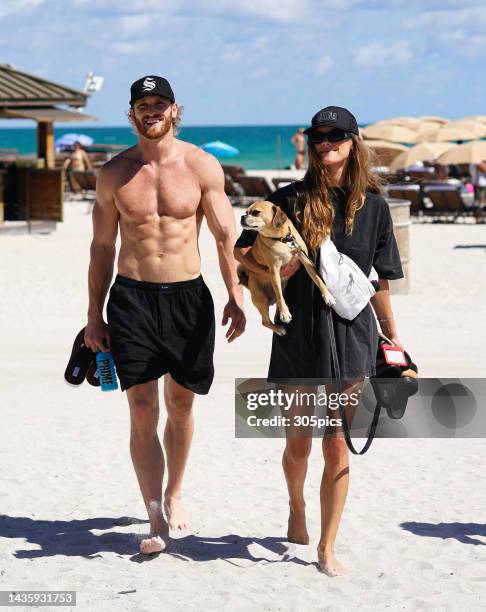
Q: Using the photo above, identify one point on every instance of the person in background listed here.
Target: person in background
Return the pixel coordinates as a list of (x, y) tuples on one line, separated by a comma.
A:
[(78, 161), (478, 179), (442, 175), (298, 140)]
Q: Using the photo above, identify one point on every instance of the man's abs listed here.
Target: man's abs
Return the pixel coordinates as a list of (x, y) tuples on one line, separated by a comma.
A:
[(159, 250)]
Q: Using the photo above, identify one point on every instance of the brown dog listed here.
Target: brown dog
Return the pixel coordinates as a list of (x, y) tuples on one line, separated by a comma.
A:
[(276, 244)]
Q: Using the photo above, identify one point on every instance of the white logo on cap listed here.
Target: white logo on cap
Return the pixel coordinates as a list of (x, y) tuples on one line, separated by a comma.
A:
[(330, 116), (148, 84)]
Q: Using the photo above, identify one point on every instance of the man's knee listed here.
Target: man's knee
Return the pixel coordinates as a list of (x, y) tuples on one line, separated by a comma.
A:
[(335, 450), (144, 413), (298, 449), (179, 407)]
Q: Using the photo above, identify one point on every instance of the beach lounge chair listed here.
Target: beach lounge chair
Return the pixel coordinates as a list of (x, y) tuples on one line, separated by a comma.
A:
[(254, 187), (446, 201), (83, 183), (408, 192), (282, 182), (233, 171)]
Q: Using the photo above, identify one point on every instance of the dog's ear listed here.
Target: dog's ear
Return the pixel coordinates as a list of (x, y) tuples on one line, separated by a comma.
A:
[(279, 217)]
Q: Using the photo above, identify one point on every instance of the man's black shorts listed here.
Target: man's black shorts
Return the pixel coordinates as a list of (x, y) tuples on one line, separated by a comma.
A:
[(157, 328)]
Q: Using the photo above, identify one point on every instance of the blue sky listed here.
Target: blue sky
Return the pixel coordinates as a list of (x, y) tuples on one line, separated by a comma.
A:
[(242, 62)]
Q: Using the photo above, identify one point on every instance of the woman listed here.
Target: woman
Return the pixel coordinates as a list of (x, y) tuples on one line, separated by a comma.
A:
[(339, 196)]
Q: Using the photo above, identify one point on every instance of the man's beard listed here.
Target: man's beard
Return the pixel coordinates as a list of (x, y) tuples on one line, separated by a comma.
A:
[(155, 132)]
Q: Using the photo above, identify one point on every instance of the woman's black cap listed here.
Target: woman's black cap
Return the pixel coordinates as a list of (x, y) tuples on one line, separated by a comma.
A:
[(334, 117), (151, 86)]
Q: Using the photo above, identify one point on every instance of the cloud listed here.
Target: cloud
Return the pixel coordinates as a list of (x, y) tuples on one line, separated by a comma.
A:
[(378, 55), (324, 64), (10, 7)]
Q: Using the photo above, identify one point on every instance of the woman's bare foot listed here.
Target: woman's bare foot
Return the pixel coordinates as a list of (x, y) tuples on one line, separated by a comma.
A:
[(158, 539), (297, 528), (175, 513), (328, 564)]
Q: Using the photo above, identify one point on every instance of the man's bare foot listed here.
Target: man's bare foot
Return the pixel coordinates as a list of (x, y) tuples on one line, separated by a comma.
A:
[(328, 564), (158, 539), (153, 544), (175, 513), (297, 528)]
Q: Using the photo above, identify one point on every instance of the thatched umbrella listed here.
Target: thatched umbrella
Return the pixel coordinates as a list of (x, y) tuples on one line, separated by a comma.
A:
[(394, 133), (385, 150), (473, 152), (426, 151)]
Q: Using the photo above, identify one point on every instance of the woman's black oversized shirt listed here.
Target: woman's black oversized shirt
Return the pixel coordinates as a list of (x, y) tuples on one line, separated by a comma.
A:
[(305, 351)]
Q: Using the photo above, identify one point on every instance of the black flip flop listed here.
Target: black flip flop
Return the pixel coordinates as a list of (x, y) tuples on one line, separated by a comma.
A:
[(79, 362), (92, 374)]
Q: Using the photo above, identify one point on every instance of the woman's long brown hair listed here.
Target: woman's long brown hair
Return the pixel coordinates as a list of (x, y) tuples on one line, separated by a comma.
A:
[(314, 209)]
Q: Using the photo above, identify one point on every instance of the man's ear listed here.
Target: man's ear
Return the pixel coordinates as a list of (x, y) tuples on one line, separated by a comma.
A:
[(279, 217)]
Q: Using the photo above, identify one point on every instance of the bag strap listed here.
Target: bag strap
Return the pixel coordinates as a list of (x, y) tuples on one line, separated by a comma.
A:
[(342, 412)]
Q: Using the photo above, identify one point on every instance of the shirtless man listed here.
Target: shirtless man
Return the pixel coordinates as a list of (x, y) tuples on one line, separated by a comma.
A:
[(298, 140), (78, 161), (160, 312)]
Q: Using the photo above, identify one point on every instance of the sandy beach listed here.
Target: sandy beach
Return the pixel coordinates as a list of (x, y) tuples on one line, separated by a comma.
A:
[(413, 529)]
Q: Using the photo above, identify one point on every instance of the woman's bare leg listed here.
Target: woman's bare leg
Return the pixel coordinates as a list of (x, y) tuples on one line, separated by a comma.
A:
[(334, 485), (294, 463)]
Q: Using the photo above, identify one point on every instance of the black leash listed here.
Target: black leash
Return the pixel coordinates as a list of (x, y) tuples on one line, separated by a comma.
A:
[(342, 412), (337, 370)]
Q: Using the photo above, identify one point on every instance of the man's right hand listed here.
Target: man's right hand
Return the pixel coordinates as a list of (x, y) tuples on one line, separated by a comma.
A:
[(96, 336)]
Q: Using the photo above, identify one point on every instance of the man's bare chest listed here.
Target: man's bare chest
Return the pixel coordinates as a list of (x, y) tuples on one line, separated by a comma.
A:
[(173, 194)]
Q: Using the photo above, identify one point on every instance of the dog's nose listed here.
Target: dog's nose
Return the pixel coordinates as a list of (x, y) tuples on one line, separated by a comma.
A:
[(243, 218)]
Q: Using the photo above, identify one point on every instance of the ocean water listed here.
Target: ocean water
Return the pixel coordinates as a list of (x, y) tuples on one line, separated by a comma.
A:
[(260, 146)]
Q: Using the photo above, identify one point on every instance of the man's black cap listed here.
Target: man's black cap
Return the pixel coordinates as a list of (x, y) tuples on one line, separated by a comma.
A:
[(151, 86), (334, 117)]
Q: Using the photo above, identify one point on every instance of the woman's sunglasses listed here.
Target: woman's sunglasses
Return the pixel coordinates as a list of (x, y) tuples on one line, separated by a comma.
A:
[(335, 135)]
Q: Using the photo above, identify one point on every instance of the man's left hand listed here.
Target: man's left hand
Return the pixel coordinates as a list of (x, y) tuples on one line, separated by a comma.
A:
[(234, 312)]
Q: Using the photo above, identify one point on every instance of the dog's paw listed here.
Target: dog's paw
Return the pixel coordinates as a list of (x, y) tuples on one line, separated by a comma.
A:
[(281, 331), (285, 316), (330, 301)]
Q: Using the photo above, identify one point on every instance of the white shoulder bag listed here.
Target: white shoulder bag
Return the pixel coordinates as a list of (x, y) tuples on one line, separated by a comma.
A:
[(348, 284)]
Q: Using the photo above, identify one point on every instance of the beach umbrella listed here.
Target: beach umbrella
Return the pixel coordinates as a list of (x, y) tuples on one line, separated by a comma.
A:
[(385, 150), (453, 132), (434, 119), (473, 152), (67, 140), (409, 122), (478, 128), (426, 130), (425, 151), (395, 133), (481, 118), (220, 149)]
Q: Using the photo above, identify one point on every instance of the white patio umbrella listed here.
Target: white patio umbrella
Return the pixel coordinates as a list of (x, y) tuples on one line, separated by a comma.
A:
[(478, 128), (385, 150), (452, 132), (394, 133), (473, 152), (408, 122), (434, 119), (425, 151)]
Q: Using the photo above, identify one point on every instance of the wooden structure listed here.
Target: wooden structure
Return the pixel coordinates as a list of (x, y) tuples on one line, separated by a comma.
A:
[(25, 96), (36, 193)]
